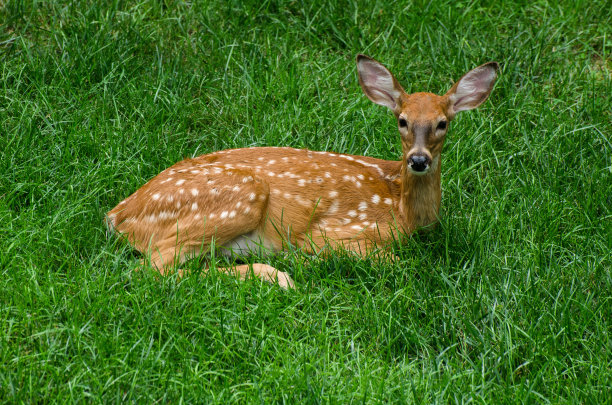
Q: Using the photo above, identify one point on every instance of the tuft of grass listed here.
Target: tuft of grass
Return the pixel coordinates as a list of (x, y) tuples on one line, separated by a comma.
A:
[(507, 300)]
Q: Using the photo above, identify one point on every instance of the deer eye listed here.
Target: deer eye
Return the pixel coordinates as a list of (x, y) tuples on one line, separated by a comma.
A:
[(441, 125), (402, 123)]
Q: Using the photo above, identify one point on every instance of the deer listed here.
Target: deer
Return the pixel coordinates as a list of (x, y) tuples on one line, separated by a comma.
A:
[(245, 201)]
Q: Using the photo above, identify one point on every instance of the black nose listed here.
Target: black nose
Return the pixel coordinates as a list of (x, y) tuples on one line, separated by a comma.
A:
[(418, 163)]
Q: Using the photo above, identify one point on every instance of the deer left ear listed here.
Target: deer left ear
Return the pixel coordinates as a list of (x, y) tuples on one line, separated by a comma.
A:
[(473, 88)]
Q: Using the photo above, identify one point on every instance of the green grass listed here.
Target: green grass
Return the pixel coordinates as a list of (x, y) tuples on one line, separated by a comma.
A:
[(508, 300)]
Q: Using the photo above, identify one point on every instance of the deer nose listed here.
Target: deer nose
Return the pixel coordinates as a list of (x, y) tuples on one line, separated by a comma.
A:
[(418, 163)]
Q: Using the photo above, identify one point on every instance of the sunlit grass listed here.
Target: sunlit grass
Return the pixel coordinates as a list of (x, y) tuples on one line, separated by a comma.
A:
[(508, 300)]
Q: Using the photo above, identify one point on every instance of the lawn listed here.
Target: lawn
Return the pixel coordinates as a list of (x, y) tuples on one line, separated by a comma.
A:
[(508, 300)]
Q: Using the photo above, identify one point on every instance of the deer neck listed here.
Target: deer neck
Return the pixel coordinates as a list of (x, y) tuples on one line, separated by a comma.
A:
[(420, 196)]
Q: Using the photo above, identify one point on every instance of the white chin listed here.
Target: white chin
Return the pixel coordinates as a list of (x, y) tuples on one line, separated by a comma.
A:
[(424, 172)]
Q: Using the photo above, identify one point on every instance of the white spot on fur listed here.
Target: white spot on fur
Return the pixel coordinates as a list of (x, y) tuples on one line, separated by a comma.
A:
[(333, 194), (362, 206), (170, 198), (252, 197), (224, 215), (346, 221), (194, 206), (167, 215), (303, 202), (301, 182), (378, 169), (232, 214), (360, 176), (363, 216), (333, 208), (180, 182), (375, 199), (388, 201), (156, 196), (271, 162), (352, 213), (194, 192), (236, 188)]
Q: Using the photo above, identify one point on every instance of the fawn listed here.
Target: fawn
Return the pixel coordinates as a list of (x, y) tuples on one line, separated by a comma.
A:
[(267, 198)]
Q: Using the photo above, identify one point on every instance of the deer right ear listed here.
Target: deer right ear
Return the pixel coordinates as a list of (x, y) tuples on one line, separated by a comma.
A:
[(378, 83)]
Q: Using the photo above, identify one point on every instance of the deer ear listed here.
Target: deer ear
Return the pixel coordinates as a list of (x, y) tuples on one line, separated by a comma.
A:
[(378, 83), (473, 88)]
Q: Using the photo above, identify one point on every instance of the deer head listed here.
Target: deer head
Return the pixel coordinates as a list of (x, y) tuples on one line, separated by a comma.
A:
[(423, 118)]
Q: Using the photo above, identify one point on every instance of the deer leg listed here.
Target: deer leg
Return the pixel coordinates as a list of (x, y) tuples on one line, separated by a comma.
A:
[(262, 271), (163, 261)]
